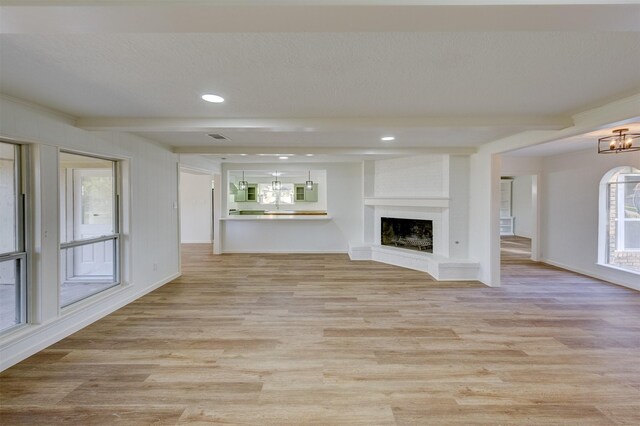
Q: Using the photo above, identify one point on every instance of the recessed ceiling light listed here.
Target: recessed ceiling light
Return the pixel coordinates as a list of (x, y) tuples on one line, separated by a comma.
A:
[(243, 155), (309, 155), (388, 138), (213, 98), (283, 157)]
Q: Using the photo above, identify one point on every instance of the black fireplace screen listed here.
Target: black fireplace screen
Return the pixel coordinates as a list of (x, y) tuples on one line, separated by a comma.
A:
[(411, 234)]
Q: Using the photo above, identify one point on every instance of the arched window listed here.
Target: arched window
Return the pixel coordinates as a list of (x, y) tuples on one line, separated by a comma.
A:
[(620, 219)]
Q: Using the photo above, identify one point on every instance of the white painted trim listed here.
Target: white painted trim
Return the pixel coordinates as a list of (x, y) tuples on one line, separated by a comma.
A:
[(179, 215), (197, 242), (618, 268), (359, 252), (217, 212), (592, 275), (39, 337)]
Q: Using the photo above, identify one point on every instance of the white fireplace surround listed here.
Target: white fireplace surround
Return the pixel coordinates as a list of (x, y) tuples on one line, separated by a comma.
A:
[(433, 214), (437, 264)]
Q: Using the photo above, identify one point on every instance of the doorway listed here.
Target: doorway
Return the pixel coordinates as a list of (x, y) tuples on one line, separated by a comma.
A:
[(196, 207), (518, 218)]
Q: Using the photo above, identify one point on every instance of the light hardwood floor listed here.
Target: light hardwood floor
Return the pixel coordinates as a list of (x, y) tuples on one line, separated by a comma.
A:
[(317, 339), (515, 249)]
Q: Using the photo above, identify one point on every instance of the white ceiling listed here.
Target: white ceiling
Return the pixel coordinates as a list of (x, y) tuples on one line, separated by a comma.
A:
[(430, 89), (575, 143)]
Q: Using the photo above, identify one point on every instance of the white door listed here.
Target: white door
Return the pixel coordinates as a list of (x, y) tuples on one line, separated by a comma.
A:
[(93, 217)]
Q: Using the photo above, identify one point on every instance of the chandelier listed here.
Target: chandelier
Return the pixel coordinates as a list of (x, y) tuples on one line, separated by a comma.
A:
[(621, 141)]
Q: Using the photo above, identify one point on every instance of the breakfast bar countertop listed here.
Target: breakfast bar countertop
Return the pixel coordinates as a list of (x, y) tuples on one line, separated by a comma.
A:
[(281, 215)]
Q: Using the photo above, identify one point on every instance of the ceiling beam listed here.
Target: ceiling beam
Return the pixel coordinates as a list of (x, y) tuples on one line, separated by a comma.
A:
[(316, 124), (272, 151), (103, 17), (303, 2), (620, 112)]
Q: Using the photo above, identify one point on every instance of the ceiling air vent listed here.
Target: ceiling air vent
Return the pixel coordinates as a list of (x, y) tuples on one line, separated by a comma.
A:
[(218, 136)]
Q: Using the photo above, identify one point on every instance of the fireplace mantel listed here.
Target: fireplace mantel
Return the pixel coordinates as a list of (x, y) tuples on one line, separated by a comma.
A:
[(439, 202)]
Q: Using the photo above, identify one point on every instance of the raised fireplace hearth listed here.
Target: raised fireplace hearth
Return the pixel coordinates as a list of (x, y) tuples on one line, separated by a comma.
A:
[(410, 234)]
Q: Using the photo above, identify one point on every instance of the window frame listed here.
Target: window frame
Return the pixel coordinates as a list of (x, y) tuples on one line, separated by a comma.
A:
[(607, 186), (115, 236), (621, 218), (20, 254)]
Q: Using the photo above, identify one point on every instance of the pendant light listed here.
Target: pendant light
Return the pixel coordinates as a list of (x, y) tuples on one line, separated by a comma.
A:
[(620, 142), (276, 184), (309, 184), (242, 185)]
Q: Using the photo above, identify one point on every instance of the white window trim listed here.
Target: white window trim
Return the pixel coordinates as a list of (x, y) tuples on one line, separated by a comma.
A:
[(122, 171), (621, 219), (603, 219)]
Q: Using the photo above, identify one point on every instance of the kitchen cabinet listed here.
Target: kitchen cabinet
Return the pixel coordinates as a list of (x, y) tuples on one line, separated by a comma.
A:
[(249, 194), (302, 194)]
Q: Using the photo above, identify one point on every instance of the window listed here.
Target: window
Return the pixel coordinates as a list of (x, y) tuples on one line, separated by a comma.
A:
[(268, 195), (89, 226), (621, 221), (13, 257)]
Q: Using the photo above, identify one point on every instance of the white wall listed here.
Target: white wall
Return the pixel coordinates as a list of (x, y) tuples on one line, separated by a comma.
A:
[(517, 166), (570, 212), (150, 231), (522, 205), (195, 208), (459, 206), (200, 163), (484, 211), (413, 177), (344, 205)]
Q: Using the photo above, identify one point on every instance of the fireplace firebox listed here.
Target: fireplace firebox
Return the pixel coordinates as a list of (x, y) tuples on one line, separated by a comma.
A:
[(411, 234)]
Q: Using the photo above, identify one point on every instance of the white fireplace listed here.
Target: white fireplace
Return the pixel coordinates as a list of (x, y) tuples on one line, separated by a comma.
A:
[(409, 234), (440, 236), (437, 263), (431, 187)]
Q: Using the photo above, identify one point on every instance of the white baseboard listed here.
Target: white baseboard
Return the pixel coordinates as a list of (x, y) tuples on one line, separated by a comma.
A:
[(33, 338), (592, 274), (196, 242), (359, 252)]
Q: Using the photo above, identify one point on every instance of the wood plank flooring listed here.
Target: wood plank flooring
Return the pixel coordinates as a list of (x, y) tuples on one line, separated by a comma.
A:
[(317, 339), (515, 249)]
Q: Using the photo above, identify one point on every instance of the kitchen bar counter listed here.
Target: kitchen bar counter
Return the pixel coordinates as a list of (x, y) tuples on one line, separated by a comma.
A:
[(278, 216)]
